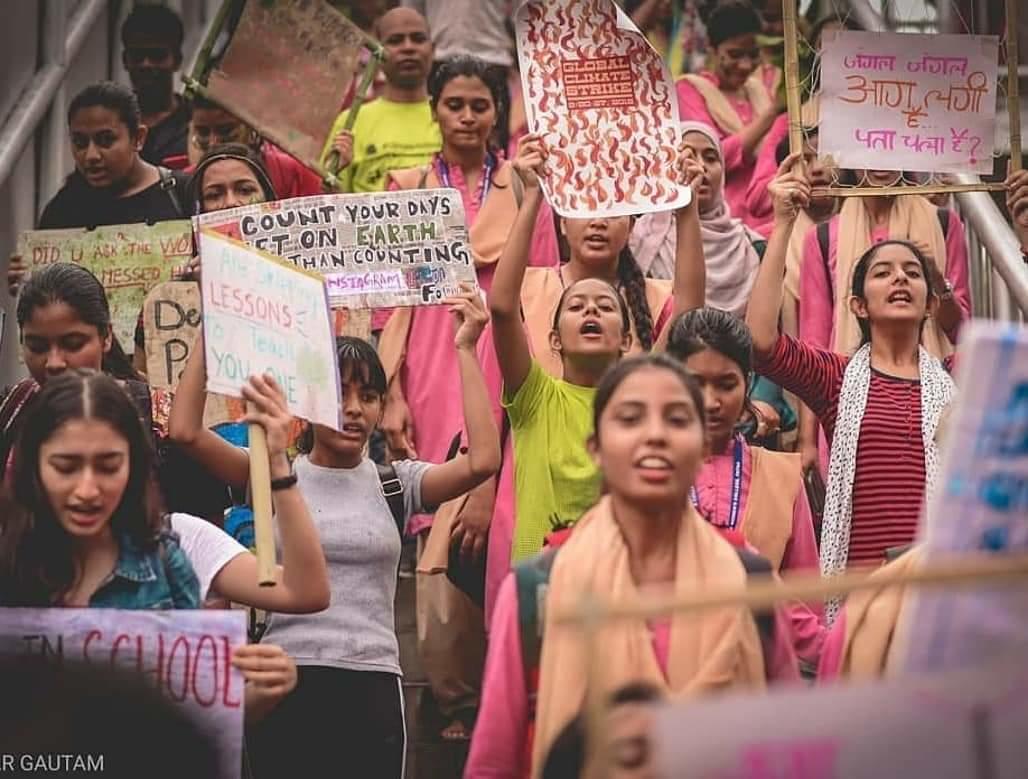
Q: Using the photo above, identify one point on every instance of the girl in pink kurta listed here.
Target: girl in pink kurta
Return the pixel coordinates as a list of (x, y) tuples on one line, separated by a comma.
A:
[(737, 97)]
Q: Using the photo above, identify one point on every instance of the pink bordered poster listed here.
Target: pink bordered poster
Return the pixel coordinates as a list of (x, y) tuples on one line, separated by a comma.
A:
[(604, 103)]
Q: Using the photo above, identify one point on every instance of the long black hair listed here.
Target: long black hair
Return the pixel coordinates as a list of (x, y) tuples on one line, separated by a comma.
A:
[(80, 290), (862, 266), (36, 561)]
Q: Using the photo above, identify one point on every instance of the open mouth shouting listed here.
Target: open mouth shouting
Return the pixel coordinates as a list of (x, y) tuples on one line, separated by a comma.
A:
[(901, 296), (654, 468)]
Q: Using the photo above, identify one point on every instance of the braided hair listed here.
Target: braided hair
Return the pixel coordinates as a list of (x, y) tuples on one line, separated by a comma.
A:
[(633, 283)]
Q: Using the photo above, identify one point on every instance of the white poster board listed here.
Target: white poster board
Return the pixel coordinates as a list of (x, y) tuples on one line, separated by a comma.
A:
[(980, 505), (603, 100), (263, 315), (944, 727), (908, 102), (404, 248), (185, 655)]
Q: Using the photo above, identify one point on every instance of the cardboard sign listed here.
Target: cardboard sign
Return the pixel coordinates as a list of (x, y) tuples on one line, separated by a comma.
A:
[(129, 260), (945, 727), (603, 100), (287, 70), (407, 248), (980, 505), (184, 655), (262, 315), (172, 315), (904, 102)]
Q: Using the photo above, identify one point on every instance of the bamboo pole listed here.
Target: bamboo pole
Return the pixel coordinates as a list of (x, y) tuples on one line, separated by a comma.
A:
[(965, 571), (923, 189), (1013, 86), (792, 77), (332, 161), (260, 491)]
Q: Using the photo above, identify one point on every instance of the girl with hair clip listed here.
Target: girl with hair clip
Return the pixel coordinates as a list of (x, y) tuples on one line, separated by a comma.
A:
[(348, 655), (82, 526), (880, 407), (736, 96)]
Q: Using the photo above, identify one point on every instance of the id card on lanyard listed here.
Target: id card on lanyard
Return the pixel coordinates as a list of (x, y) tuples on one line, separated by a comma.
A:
[(736, 495), (484, 184)]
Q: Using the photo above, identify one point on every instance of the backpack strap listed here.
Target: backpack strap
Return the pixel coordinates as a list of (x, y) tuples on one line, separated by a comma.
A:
[(392, 490), (170, 187), (531, 580), (758, 565)]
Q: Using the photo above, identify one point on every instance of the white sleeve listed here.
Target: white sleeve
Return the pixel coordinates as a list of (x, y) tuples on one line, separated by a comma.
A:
[(208, 547)]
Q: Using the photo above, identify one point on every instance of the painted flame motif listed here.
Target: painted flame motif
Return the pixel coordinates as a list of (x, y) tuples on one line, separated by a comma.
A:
[(605, 156)]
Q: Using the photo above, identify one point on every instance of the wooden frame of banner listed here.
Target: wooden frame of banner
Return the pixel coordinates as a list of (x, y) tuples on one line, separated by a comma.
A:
[(591, 614), (196, 81), (793, 102)]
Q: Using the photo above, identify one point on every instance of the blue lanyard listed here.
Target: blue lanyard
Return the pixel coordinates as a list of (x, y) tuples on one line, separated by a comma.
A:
[(484, 185), (733, 515)]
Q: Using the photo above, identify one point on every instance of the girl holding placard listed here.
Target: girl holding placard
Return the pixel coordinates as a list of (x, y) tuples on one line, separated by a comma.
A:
[(880, 407), (348, 654)]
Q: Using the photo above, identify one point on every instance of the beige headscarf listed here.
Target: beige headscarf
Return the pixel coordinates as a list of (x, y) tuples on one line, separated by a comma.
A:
[(711, 650), (912, 218)]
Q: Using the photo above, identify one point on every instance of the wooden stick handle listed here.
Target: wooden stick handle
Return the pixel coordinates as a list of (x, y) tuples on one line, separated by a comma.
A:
[(967, 571), (1013, 101), (792, 77), (260, 492)]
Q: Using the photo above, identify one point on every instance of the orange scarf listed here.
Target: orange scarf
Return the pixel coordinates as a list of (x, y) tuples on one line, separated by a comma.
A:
[(912, 218), (710, 650)]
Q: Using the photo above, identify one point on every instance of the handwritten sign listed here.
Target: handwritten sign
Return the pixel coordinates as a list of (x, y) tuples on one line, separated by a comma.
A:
[(287, 70), (172, 315), (603, 101), (386, 249), (184, 655), (129, 260), (945, 727), (895, 101), (981, 505), (261, 315)]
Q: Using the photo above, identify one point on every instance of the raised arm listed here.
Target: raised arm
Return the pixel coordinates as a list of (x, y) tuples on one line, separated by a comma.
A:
[(509, 338), (790, 191), (185, 425), (689, 286), (446, 481)]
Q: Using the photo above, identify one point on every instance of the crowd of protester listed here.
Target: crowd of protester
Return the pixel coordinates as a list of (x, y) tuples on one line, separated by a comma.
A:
[(755, 384)]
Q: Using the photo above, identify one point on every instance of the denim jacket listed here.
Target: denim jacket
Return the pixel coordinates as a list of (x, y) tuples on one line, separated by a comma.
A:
[(159, 579)]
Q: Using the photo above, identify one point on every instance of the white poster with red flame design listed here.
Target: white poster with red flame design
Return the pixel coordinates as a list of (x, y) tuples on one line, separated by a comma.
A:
[(603, 101)]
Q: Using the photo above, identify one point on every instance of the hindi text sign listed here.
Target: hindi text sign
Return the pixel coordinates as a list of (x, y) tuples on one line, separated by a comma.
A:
[(184, 655), (406, 248), (262, 315), (603, 101), (129, 260), (906, 102)]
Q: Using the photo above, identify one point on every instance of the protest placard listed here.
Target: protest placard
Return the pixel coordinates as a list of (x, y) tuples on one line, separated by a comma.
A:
[(262, 315), (129, 260), (945, 727), (171, 325), (184, 655), (406, 248), (603, 101), (980, 504), (287, 70), (906, 102)]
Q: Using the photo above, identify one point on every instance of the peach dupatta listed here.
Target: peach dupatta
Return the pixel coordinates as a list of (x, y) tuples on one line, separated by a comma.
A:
[(711, 650)]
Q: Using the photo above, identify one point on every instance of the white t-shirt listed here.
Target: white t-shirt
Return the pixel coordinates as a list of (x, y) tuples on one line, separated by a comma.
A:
[(208, 547)]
